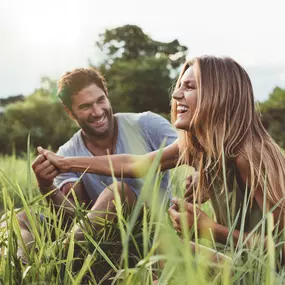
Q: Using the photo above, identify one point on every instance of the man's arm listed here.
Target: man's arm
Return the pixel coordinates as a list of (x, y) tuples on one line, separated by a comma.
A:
[(129, 165), (45, 173)]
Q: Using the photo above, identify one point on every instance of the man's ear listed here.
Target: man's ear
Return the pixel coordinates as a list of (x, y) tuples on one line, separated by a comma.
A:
[(69, 112)]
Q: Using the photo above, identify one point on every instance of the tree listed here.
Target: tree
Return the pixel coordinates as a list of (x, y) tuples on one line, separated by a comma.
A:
[(273, 117), (139, 70), (41, 115), (11, 99), (129, 42), (139, 85)]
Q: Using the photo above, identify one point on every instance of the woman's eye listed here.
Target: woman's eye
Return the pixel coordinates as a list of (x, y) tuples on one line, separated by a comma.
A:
[(189, 88)]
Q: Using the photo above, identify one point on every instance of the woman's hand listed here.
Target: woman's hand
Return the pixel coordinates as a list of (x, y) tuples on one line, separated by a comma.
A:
[(191, 186), (176, 211), (54, 159)]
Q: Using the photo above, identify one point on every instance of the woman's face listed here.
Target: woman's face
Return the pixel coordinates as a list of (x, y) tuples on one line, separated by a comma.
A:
[(186, 99)]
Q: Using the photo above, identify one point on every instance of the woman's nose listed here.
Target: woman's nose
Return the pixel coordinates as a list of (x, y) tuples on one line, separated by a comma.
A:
[(178, 94)]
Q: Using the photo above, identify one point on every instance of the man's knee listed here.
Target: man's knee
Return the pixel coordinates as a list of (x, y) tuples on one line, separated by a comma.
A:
[(124, 190), (3, 220), (21, 217), (107, 197)]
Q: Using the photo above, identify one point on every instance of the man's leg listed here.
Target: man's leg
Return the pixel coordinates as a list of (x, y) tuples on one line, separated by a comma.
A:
[(104, 206), (25, 230), (27, 236)]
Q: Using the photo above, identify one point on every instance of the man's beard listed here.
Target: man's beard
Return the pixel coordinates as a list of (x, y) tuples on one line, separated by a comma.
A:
[(91, 131)]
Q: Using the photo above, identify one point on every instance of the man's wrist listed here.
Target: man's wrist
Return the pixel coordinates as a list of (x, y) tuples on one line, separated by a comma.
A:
[(64, 165), (54, 193), (45, 188)]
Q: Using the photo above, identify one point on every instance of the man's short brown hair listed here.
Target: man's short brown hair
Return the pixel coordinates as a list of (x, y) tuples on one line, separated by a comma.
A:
[(73, 82)]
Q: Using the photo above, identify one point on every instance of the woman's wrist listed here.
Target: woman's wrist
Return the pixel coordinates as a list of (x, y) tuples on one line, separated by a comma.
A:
[(214, 228), (207, 227)]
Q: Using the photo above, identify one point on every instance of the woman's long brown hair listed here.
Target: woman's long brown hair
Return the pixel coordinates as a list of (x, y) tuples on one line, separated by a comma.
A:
[(227, 124)]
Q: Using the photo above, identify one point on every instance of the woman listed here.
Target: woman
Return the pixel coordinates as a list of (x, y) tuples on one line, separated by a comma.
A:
[(222, 136)]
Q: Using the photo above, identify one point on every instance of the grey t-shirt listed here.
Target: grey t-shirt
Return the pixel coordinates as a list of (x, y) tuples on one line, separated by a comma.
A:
[(137, 134)]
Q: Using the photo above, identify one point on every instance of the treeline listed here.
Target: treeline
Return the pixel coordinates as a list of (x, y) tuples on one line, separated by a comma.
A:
[(273, 115), (140, 73)]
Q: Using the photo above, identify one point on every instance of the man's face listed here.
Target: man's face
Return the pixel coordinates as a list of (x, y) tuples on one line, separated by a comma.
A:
[(92, 111)]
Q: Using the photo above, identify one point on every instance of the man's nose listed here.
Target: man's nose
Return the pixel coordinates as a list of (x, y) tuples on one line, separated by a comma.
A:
[(96, 110)]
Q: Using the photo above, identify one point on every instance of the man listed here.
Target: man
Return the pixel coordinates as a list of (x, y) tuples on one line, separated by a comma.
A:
[(84, 95)]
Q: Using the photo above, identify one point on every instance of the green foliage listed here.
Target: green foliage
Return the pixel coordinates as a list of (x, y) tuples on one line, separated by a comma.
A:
[(129, 42), (140, 85), (139, 70), (40, 115), (273, 117), (130, 251), (13, 170), (11, 99)]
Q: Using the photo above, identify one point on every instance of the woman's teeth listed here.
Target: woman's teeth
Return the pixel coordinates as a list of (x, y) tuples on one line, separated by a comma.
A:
[(182, 109)]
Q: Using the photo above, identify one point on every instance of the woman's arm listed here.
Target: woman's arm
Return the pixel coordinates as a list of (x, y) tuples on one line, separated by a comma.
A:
[(245, 174), (221, 232), (126, 164), (205, 224)]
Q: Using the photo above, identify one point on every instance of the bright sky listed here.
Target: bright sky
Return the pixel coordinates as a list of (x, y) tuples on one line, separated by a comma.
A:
[(40, 37)]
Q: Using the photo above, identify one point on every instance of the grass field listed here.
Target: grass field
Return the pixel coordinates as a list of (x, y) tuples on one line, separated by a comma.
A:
[(128, 252)]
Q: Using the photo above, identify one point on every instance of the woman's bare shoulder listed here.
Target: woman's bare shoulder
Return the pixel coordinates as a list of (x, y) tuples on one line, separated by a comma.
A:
[(243, 166)]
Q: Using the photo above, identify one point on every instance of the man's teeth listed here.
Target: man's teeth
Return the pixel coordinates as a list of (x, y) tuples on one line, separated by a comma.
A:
[(100, 120), (182, 109)]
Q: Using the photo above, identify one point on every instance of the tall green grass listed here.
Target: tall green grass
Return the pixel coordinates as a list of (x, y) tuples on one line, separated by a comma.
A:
[(135, 250), (16, 170)]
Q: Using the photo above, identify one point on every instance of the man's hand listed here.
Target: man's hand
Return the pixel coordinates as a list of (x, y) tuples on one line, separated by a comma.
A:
[(45, 172), (54, 159), (191, 187), (180, 208)]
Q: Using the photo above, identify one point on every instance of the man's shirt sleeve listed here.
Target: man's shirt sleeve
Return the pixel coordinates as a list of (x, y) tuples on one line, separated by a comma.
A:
[(157, 129)]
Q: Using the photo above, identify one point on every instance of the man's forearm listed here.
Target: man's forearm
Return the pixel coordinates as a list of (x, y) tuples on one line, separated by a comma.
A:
[(129, 165)]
